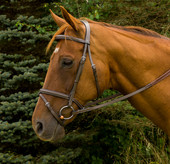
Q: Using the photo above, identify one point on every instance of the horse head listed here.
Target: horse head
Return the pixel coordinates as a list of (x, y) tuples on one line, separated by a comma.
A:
[(63, 75)]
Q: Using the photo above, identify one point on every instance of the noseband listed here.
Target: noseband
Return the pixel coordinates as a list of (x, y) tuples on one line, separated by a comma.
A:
[(70, 97)]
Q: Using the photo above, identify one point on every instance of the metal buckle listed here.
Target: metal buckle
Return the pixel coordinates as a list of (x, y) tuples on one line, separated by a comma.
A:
[(61, 110)]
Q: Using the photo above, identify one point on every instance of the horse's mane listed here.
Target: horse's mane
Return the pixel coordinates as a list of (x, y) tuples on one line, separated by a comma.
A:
[(134, 29)]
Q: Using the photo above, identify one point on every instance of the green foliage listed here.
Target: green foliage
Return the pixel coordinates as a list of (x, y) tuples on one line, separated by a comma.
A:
[(64, 155), (11, 158), (116, 134), (16, 69)]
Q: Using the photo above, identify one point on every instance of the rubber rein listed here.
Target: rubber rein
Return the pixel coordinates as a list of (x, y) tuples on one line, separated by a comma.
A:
[(95, 104)]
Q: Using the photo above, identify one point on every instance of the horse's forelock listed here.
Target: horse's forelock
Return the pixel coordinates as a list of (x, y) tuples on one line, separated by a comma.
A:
[(60, 31)]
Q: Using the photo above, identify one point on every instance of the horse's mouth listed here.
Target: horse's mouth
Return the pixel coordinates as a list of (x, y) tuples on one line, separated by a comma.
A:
[(58, 134), (51, 134)]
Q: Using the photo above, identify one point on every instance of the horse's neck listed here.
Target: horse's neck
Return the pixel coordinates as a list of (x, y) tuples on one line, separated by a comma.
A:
[(137, 59)]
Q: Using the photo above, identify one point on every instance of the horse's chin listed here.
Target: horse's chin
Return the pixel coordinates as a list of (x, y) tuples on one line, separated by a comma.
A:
[(58, 134)]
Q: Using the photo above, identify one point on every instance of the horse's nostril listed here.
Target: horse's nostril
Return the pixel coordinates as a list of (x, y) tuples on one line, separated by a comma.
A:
[(39, 127)]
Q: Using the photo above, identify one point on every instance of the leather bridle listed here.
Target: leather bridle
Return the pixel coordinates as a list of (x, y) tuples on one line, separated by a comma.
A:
[(70, 97)]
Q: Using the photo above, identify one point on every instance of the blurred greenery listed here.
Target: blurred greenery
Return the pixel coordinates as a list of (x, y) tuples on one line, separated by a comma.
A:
[(114, 134)]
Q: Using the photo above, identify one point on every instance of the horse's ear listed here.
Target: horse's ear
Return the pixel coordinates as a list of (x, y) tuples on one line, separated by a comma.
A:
[(72, 21), (59, 21)]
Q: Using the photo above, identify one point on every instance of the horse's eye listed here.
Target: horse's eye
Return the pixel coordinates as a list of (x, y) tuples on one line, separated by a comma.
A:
[(67, 63)]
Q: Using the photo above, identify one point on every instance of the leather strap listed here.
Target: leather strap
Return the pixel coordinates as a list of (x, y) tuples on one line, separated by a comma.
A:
[(54, 93), (66, 37), (60, 95), (160, 78), (55, 115), (96, 102)]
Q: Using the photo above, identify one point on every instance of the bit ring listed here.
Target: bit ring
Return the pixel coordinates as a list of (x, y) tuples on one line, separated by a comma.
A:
[(61, 110)]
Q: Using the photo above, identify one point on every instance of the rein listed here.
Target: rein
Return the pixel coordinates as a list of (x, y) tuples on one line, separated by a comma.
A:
[(70, 97), (87, 109)]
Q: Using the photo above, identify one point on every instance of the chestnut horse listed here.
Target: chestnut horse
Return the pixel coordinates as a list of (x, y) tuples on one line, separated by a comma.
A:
[(126, 59)]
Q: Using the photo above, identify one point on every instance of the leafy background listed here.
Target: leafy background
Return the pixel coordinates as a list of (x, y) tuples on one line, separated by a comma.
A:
[(114, 134)]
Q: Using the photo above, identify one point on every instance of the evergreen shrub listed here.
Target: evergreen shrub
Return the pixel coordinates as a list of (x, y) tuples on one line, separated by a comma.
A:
[(114, 134)]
